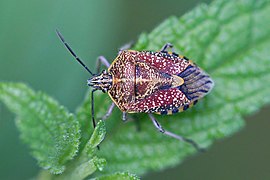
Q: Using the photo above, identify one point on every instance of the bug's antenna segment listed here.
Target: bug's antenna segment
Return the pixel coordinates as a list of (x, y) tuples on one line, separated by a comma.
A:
[(72, 52)]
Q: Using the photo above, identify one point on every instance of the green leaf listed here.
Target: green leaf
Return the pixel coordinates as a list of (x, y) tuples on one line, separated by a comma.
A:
[(231, 41), (51, 131), (118, 176), (84, 116), (97, 136), (86, 163), (80, 170)]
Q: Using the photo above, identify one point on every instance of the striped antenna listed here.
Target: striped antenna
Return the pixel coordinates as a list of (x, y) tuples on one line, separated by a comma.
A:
[(72, 52)]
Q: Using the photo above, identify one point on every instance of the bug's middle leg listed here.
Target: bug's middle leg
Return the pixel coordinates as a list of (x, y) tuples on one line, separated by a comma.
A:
[(102, 61), (124, 117), (168, 133)]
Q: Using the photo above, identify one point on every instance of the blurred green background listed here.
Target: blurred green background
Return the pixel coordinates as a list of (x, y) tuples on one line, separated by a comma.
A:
[(30, 52)]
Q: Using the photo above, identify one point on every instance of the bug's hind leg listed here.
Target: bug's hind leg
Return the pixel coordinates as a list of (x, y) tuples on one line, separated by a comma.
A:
[(166, 47), (181, 138), (102, 61), (109, 112)]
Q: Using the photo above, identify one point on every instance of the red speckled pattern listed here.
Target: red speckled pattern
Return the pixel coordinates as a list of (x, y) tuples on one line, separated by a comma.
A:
[(142, 81), (164, 62), (160, 100), (149, 80)]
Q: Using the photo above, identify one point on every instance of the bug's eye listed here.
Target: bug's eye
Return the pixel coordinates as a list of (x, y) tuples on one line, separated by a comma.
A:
[(103, 91)]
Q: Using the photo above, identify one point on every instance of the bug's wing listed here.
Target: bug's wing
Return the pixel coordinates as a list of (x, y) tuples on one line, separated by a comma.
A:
[(169, 98), (176, 99), (164, 62), (162, 102), (196, 84)]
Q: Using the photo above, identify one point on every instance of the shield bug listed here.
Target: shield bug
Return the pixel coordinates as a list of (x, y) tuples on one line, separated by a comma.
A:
[(150, 82)]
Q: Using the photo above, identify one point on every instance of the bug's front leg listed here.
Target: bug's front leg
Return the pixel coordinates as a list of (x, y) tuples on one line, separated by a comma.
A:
[(102, 61), (168, 133), (109, 112), (166, 47)]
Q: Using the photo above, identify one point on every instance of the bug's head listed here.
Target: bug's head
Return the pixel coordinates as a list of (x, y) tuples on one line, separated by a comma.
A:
[(102, 81)]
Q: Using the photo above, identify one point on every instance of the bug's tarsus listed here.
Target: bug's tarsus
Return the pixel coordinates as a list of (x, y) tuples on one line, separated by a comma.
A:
[(72, 52), (194, 144), (168, 133), (101, 60), (166, 47)]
